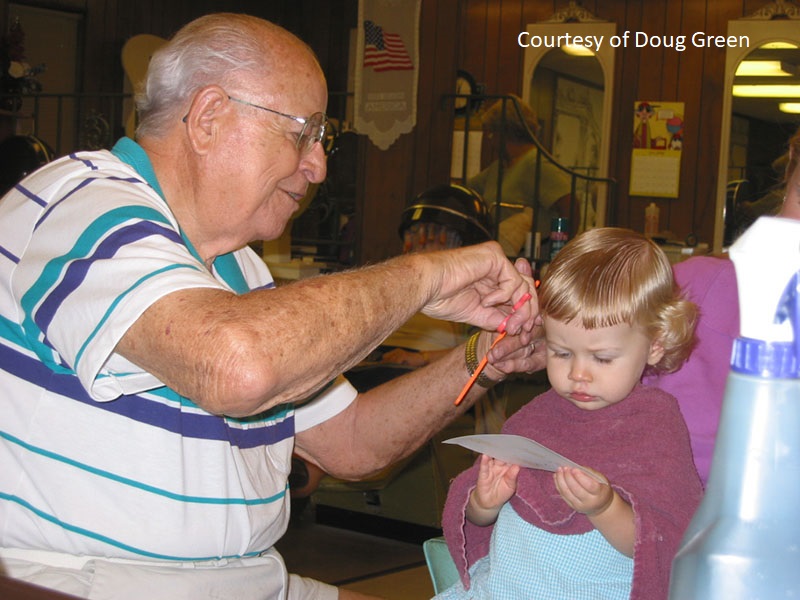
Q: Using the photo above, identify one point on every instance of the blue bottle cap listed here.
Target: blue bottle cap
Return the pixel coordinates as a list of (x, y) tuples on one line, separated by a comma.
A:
[(773, 360)]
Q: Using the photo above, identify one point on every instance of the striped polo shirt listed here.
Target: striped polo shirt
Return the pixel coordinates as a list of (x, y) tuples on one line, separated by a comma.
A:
[(97, 456)]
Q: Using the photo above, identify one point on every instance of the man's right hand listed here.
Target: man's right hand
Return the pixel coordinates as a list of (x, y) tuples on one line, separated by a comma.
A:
[(479, 285)]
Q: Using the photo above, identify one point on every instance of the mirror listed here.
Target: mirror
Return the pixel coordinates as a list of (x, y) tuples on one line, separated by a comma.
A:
[(754, 129), (573, 96)]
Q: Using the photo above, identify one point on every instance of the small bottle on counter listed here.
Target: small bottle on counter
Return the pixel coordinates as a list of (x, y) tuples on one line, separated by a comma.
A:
[(651, 216), (559, 235)]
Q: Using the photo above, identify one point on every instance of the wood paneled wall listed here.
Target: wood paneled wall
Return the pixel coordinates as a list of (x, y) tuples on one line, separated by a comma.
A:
[(419, 159), (694, 76), (479, 36), (386, 179)]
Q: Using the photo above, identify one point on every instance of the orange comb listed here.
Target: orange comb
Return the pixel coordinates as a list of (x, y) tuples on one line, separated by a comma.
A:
[(485, 360)]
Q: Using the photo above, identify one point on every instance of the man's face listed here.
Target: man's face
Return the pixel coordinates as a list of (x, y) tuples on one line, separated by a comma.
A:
[(266, 175)]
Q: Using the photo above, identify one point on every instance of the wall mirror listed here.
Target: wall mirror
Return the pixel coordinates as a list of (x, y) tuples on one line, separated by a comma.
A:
[(572, 95), (755, 120)]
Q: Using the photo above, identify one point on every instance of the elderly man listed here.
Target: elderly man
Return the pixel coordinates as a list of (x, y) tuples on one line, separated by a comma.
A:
[(155, 383)]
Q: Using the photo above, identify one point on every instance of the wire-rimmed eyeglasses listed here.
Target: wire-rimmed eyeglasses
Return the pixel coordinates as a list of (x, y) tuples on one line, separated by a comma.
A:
[(313, 131)]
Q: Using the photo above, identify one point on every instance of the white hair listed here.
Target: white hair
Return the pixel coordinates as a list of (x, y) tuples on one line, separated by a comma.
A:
[(220, 49)]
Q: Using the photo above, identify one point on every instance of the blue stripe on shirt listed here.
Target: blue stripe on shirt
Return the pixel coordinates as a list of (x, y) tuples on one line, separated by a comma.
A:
[(76, 270), (30, 195), (83, 183), (9, 255), (267, 428), (48, 294)]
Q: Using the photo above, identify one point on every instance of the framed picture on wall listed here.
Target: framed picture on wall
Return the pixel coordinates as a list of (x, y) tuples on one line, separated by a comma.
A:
[(657, 147)]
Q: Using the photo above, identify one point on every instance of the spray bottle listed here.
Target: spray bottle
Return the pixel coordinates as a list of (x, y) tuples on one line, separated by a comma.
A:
[(744, 541)]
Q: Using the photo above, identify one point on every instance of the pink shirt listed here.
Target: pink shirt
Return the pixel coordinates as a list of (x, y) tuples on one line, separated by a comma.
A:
[(699, 385)]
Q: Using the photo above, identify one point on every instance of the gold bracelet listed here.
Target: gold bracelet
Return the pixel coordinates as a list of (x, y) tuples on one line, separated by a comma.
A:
[(471, 358)]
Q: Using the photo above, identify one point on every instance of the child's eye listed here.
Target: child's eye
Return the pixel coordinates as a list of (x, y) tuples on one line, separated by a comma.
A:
[(603, 360), (559, 354)]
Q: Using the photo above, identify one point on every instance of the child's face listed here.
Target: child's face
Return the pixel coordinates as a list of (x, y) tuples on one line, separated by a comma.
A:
[(594, 368)]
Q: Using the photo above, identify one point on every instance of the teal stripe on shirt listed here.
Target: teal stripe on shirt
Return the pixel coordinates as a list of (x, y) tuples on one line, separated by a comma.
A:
[(137, 484), (112, 542), (119, 299)]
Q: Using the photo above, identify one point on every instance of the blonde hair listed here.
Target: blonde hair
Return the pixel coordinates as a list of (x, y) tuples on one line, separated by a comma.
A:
[(609, 276)]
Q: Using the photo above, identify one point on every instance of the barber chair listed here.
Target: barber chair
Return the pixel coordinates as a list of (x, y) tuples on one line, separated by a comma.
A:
[(440, 564)]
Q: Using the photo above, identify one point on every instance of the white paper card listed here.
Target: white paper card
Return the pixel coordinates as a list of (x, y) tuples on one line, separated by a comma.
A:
[(517, 450)]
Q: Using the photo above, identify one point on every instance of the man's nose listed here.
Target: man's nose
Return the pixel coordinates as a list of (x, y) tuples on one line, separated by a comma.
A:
[(314, 164)]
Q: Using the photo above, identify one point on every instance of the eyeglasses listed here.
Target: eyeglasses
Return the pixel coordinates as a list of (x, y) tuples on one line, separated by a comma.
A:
[(313, 131)]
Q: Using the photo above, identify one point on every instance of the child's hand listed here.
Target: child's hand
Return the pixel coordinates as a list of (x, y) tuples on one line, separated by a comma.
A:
[(497, 482), (610, 514), (583, 493)]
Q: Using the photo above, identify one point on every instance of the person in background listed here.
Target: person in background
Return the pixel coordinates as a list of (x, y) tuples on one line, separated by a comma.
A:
[(770, 204), (444, 217), (441, 218), (155, 380), (609, 529), (710, 282), (511, 137)]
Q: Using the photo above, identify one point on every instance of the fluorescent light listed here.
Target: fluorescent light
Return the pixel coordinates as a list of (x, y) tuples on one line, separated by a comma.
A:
[(767, 91), (576, 50), (778, 46), (790, 107), (761, 68)]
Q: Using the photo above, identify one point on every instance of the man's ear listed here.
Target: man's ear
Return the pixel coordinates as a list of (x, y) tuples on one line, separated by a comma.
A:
[(656, 352), (203, 119)]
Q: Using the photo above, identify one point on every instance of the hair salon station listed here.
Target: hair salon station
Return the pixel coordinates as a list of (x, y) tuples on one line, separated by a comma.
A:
[(715, 82)]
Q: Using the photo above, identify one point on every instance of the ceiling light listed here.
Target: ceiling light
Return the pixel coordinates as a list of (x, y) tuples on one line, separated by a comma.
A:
[(790, 107), (778, 46), (762, 68), (576, 50), (767, 91)]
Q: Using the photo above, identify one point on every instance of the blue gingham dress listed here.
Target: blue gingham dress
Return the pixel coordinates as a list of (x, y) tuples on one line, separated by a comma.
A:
[(528, 563)]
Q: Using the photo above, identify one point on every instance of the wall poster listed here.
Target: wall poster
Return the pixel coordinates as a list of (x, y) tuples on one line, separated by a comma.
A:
[(657, 145)]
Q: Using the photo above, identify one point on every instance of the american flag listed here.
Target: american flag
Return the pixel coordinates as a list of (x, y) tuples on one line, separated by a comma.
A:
[(384, 51)]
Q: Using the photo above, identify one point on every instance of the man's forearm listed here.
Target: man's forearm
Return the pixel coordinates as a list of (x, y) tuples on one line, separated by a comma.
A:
[(392, 420), (239, 355)]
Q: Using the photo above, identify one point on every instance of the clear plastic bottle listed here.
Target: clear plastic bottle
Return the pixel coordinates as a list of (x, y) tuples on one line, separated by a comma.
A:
[(559, 235), (744, 540)]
